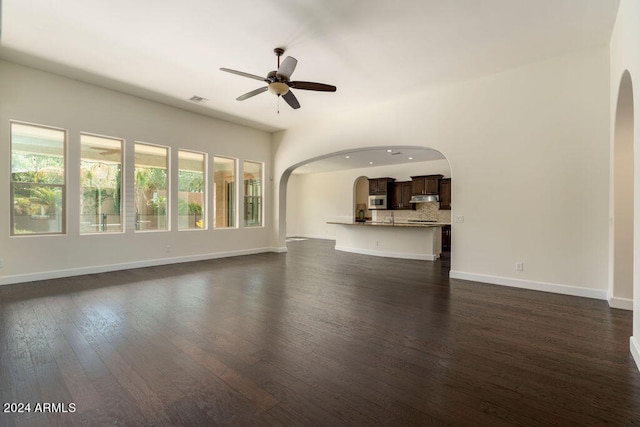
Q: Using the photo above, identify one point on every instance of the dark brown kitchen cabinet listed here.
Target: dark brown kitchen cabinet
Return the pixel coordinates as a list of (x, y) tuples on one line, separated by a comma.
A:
[(445, 194), (446, 238), (402, 195), (426, 184), (380, 186)]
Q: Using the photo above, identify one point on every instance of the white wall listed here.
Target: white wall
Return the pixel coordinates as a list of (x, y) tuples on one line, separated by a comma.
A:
[(293, 207), (35, 96), (317, 198), (625, 55), (529, 155)]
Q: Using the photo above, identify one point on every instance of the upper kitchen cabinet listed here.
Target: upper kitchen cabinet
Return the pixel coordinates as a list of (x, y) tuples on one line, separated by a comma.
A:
[(402, 195), (425, 184), (380, 186), (445, 194)]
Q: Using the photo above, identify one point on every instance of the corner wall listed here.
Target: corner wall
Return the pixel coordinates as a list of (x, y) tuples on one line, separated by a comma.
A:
[(625, 55), (528, 149)]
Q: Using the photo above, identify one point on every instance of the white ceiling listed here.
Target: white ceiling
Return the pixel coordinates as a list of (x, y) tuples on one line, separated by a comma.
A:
[(168, 51)]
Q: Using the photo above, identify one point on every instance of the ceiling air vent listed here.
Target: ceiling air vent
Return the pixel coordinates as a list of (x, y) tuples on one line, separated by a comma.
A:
[(197, 99)]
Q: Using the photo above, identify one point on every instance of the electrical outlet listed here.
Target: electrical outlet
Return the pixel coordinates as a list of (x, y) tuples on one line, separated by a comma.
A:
[(519, 266), (460, 218), (376, 243), (167, 249)]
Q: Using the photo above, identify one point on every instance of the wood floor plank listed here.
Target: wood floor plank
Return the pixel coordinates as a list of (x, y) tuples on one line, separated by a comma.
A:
[(77, 382), (193, 375), (312, 337), (116, 403), (145, 397)]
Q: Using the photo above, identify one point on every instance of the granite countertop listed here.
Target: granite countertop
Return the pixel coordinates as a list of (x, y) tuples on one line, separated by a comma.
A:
[(389, 224)]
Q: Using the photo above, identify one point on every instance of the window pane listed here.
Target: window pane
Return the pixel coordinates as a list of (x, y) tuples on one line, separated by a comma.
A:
[(191, 200), (224, 192), (151, 187), (252, 194), (37, 179), (101, 179)]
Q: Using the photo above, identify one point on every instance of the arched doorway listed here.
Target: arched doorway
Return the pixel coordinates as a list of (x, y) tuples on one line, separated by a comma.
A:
[(621, 287), (361, 193), (312, 199)]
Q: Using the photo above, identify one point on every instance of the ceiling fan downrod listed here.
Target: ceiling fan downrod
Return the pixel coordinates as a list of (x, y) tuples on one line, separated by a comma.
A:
[(278, 51)]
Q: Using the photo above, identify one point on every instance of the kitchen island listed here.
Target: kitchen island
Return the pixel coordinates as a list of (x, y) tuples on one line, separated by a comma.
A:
[(406, 240)]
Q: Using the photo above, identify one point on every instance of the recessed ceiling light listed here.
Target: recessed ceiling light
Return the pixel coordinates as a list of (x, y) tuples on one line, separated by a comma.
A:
[(410, 158), (307, 164), (389, 151), (370, 163), (347, 157)]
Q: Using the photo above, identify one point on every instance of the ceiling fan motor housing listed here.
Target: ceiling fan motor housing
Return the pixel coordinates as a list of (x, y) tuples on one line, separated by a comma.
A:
[(278, 83), (278, 88)]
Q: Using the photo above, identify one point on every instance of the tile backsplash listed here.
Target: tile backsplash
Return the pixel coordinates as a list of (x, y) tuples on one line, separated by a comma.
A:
[(425, 211)]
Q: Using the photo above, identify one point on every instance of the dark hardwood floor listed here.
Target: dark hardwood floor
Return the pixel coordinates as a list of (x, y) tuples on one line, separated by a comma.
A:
[(313, 337)]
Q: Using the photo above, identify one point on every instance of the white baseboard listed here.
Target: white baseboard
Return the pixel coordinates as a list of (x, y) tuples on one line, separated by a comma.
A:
[(387, 254), (621, 303), (634, 345), (56, 274), (530, 284)]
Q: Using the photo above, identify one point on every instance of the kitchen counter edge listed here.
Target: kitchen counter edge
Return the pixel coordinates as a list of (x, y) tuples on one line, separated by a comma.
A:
[(387, 224)]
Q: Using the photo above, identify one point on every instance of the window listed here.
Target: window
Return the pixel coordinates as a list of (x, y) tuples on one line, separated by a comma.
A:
[(191, 194), (101, 184), (151, 185), (252, 194), (37, 179), (224, 192)]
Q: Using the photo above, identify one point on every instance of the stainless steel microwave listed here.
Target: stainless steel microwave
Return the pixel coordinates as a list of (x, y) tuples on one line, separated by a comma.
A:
[(377, 202)]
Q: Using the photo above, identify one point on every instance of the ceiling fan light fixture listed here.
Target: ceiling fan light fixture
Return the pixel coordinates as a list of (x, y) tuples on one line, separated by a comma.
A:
[(278, 88)]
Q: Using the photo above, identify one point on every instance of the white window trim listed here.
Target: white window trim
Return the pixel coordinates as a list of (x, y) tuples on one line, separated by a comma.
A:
[(65, 151), (123, 182), (205, 190), (236, 193), (262, 187), (168, 163)]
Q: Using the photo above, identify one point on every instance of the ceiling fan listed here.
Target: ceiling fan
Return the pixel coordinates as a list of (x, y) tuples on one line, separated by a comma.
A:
[(278, 81)]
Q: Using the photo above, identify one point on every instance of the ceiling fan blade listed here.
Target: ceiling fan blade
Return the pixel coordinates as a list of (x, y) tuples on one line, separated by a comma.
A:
[(291, 100), (312, 86), (240, 73), (287, 67), (252, 93)]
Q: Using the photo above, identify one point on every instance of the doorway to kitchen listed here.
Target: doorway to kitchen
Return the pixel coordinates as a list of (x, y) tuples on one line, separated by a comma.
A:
[(622, 272), (319, 195)]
